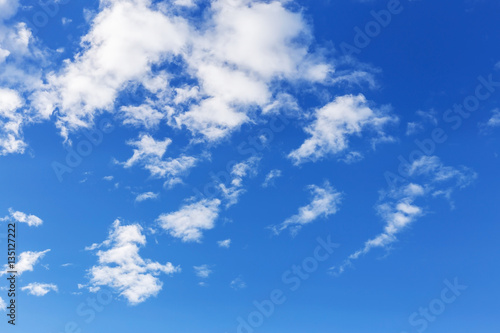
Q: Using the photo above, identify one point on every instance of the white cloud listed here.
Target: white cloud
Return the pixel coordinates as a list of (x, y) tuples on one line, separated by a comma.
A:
[(224, 243), (121, 268), (270, 177), (3, 306), (11, 121), (185, 3), (247, 168), (146, 196), (127, 37), (8, 8), (190, 220), (238, 284), (149, 153), (202, 271), (398, 207), (335, 123), (26, 262), (108, 178), (39, 289), (248, 46), (144, 115), (494, 121), (325, 202), (352, 157), (426, 117), (16, 216)]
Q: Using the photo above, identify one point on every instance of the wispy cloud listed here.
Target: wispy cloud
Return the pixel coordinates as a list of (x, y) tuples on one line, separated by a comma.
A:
[(325, 201), (146, 196), (39, 289), (224, 243)]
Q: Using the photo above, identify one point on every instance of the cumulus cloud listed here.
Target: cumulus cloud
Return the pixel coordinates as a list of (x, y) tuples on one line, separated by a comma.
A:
[(16, 216), (11, 120), (121, 268), (325, 201), (189, 222), (335, 123), (127, 37), (146, 196), (39, 289), (398, 205), (26, 262), (3, 306)]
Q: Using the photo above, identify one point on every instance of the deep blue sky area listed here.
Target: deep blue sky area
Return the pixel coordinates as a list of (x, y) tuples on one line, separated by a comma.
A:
[(241, 140)]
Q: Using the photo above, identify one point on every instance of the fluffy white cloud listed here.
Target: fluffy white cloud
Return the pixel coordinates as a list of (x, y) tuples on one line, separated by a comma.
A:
[(121, 268), (127, 37), (325, 202), (202, 271), (248, 46), (146, 196), (3, 306), (26, 261), (31, 220), (190, 220), (335, 123), (39, 289), (224, 243), (11, 120), (143, 115)]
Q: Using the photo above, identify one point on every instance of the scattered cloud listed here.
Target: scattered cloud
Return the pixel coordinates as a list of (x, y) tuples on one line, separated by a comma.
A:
[(224, 243), (39, 289), (398, 206), (325, 202), (232, 192), (189, 222), (149, 153), (238, 284), (492, 123), (335, 123), (121, 268), (270, 177), (26, 262), (3, 306), (202, 271), (146, 196), (108, 178), (16, 216), (425, 118)]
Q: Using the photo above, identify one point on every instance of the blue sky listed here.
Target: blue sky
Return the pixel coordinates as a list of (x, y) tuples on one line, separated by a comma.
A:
[(251, 166)]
